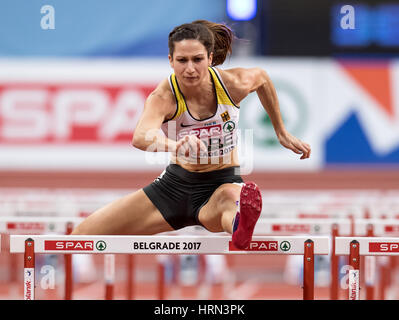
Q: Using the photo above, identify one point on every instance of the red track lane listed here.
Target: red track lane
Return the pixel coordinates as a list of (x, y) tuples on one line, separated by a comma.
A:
[(350, 178)]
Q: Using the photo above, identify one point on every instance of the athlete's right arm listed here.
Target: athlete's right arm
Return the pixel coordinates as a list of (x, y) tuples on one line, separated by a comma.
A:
[(159, 106)]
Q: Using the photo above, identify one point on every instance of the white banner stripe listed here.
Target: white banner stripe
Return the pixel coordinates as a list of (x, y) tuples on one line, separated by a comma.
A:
[(166, 244)]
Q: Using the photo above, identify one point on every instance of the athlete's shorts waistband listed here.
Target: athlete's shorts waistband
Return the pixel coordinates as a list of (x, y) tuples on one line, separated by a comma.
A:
[(202, 176)]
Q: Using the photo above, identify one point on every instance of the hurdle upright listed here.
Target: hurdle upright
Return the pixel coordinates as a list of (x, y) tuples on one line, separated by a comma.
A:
[(61, 244), (377, 228), (363, 246)]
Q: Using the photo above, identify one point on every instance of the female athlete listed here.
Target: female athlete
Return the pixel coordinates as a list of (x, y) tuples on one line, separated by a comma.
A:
[(197, 108)]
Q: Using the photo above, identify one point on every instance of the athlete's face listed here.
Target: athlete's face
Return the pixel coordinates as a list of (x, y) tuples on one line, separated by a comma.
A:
[(190, 62)]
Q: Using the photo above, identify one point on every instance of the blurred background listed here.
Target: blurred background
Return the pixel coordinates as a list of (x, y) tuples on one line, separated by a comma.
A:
[(74, 76)]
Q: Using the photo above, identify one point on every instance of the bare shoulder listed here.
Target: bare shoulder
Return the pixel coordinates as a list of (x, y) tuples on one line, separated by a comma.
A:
[(162, 92), (162, 99), (242, 81)]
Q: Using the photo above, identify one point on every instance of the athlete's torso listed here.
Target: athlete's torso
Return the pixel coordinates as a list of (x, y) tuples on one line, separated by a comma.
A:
[(218, 132)]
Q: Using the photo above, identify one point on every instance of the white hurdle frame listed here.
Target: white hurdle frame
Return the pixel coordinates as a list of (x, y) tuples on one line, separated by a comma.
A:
[(299, 245), (356, 247), (40, 225)]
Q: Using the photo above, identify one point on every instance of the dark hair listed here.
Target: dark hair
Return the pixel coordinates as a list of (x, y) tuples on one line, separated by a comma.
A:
[(215, 37)]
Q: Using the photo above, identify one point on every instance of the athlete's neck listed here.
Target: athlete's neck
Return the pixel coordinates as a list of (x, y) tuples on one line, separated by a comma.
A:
[(200, 91)]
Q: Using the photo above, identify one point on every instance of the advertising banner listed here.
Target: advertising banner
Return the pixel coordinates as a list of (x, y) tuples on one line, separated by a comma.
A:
[(81, 115)]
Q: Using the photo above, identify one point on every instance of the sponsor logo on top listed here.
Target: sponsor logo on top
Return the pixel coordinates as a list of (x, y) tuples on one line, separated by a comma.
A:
[(52, 113), (257, 246), (68, 245), (202, 132), (285, 246), (384, 247), (101, 245), (229, 126)]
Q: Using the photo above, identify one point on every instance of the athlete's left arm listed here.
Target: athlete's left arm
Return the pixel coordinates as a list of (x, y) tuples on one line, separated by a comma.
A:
[(244, 81)]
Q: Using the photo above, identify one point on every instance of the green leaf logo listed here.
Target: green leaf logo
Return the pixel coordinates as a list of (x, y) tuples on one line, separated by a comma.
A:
[(101, 245), (229, 126), (285, 246)]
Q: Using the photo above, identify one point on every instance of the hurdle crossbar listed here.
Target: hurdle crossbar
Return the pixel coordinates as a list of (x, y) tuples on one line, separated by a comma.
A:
[(295, 245), (369, 246), (165, 244)]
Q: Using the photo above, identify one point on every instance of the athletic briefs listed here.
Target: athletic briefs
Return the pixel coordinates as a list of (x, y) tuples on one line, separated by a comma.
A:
[(180, 194)]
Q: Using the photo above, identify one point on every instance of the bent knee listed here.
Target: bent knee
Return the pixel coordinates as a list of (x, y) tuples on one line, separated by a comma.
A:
[(227, 193)]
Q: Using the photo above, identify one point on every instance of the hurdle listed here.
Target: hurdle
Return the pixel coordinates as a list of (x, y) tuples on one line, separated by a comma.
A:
[(356, 247), (40, 225), (286, 227), (297, 245), (377, 228), (322, 226), (296, 226)]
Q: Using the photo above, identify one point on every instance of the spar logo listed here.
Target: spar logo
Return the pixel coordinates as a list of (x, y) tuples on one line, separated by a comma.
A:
[(203, 132), (101, 245), (257, 246), (69, 113), (70, 245), (384, 247), (229, 126), (285, 246)]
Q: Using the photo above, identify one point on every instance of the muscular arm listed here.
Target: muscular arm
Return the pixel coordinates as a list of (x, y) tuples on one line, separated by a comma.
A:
[(158, 107), (242, 81), (161, 105)]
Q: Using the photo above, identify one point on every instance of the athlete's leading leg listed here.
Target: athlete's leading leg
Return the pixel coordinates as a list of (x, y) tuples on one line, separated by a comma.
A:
[(133, 214), (218, 213), (221, 213)]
